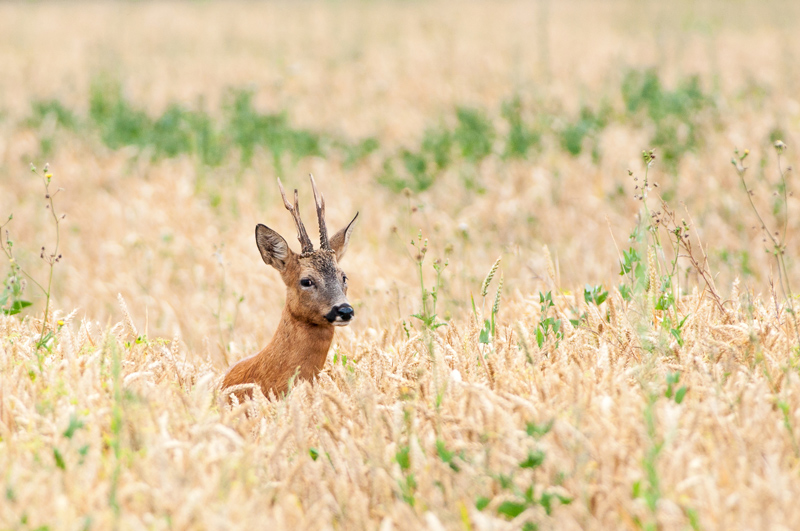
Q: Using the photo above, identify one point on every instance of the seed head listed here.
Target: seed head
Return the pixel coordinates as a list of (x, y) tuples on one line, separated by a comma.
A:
[(496, 305), (490, 276)]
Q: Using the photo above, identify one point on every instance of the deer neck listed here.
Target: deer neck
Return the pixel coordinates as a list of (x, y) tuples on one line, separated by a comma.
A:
[(298, 346)]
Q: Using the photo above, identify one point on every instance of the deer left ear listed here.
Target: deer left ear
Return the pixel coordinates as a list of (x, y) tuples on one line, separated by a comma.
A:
[(273, 248), (340, 240)]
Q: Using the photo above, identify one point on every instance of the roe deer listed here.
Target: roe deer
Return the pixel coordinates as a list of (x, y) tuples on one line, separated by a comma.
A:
[(316, 302)]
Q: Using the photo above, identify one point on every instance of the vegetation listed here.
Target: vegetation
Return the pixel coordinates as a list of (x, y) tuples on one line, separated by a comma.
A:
[(574, 269)]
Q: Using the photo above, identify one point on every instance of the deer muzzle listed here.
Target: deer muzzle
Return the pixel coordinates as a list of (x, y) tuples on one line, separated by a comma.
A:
[(341, 315)]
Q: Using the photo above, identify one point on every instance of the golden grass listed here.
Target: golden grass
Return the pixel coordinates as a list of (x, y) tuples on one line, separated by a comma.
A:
[(183, 462), (156, 450)]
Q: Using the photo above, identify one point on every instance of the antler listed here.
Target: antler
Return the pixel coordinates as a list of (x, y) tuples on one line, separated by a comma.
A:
[(320, 203), (302, 235)]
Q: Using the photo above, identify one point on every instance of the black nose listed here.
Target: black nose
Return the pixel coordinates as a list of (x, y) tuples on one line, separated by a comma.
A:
[(345, 311)]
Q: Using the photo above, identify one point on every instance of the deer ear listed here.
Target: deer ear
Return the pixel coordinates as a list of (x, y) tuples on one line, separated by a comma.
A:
[(340, 240), (274, 249)]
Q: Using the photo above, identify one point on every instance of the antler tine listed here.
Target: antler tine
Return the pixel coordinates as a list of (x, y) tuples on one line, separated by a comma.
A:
[(283, 196), (305, 242), (320, 204)]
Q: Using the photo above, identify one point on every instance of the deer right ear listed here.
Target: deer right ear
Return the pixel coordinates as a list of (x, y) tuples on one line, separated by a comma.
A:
[(273, 248), (341, 239)]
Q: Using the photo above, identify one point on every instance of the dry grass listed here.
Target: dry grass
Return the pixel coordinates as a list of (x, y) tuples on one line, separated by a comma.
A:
[(177, 460), (155, 450)]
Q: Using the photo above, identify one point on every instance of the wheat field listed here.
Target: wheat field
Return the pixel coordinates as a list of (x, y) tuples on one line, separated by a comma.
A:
[(627, 364)]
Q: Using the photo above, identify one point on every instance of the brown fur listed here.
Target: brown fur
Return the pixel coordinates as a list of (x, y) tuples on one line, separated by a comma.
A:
[(298, 349), (300, 345)]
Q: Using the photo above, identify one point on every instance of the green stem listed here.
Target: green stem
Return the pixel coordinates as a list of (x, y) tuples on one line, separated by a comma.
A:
[(51, 261), (33, 280), (785, 201), (423, 293), (783, 277), (781, 262), (753, 206), (787, 292)]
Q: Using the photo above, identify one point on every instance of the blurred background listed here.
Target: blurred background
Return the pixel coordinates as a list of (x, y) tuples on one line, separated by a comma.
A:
[(489, 128)]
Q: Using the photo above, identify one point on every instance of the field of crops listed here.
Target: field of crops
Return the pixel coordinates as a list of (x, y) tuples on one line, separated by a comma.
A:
[(574, 270)]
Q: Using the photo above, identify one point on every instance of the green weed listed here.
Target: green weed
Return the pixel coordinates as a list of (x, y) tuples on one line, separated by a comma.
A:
[(775, 237), (521, 137), (437, 144), (474, 134), (489, 329), (44, 110), (573, 137), (11, 301), (674, 112), (518, 499), (355, 153), (548, 327)]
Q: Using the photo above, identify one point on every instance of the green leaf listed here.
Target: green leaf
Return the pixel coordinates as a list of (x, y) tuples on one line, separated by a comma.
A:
[(594, 294), (679, 396), (665, 301), (484, 336), (626, 292), (16, 307), (441, 449), (511, 509), (403, 458), (534, 460), (45, 340), (538, 430), (694, 518), (676, 333), (547, 503), (529, 495), (313, 453), (59, 459), (74, 425), (446, 455), (630, 260), (481, 503)]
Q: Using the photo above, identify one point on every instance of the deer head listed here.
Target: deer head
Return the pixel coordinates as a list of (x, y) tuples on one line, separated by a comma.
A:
[(316, 287)]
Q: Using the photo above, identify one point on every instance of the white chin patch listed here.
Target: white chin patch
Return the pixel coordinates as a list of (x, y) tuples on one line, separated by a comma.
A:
[(339, 322)]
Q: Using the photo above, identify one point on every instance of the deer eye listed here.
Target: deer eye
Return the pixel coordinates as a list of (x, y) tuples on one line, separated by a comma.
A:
[(306, 282), (344, 279)]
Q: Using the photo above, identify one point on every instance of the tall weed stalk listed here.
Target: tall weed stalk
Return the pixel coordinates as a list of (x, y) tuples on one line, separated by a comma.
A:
[(774, 238), (11, 301)]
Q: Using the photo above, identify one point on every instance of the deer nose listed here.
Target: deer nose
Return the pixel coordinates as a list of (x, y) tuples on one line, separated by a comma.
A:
[(345, 311)]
